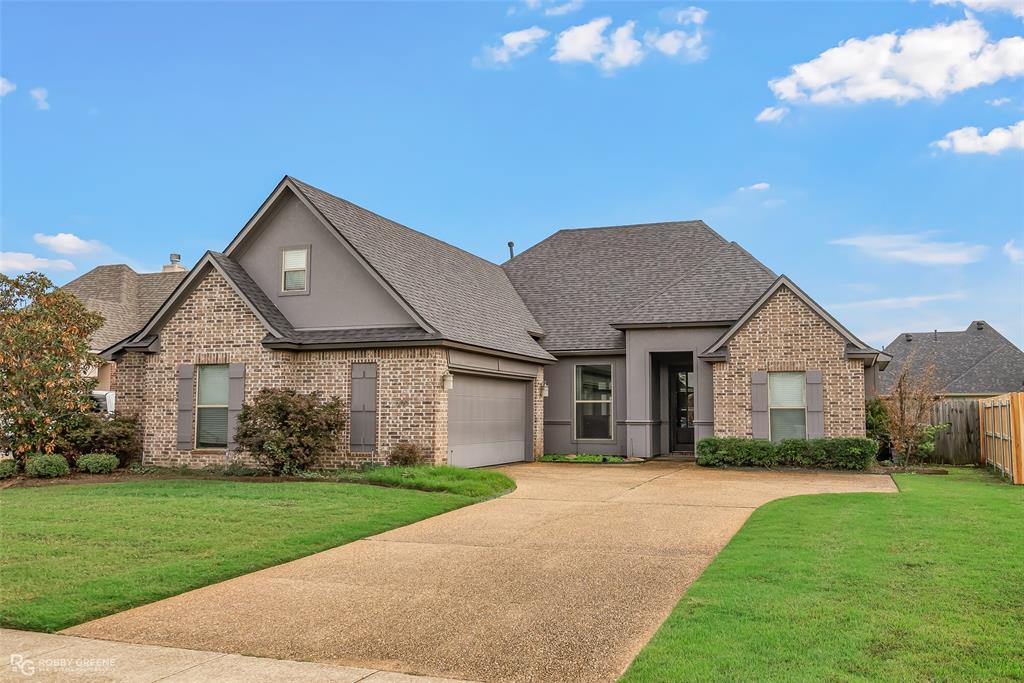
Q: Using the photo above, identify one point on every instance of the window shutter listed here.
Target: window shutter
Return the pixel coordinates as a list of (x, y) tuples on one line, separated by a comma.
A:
[(759, 405), (815, 406), (364, 408), (186, 396), (236, 396)]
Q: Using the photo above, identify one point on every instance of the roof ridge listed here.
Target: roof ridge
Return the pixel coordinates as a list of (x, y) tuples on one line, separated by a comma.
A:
[(754, 258), (644, 225), (675, 282), (979, 362)]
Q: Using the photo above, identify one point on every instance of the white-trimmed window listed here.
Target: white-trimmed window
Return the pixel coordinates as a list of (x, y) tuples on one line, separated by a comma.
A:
[(593, 402), (295, 270), (787, 405), (212, 407)]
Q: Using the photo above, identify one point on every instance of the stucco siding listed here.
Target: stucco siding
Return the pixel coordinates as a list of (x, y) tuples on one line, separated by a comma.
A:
[(559, 407)]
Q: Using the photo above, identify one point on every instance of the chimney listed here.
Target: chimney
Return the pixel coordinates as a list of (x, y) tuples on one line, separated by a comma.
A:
[(907, 336), (175, 265), (511, 249)]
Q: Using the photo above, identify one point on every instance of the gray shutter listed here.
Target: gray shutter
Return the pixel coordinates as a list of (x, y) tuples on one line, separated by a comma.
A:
[(759, 405), (186, 399), (815, 405), (364, 407), (236, 396)]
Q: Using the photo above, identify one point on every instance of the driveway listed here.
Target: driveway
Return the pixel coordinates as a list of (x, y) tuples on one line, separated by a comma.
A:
[(563, 580)]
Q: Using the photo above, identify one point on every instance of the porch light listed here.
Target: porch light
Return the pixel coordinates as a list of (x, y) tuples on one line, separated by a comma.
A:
[(545, 390), (448, 381)]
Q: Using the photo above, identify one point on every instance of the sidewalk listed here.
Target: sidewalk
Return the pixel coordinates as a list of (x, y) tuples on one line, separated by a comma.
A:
[(28, 656)]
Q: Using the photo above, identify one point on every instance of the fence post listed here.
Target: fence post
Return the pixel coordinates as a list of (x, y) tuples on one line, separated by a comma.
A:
[(1017, 436), (981, 431)]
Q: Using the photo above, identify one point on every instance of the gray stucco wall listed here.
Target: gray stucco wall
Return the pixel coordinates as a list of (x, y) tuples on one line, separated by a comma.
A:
[(559, 430), (342, 293)]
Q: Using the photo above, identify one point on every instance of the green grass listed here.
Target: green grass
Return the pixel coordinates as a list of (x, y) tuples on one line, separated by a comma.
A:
[(77, 552), (582, 457), (926, 585), (475, 483)]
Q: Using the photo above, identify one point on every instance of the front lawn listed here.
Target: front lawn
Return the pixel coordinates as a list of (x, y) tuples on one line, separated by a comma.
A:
[(72, 553), (925, 585), (581, 457)]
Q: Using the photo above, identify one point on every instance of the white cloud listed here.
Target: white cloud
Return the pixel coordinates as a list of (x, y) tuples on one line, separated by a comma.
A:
[(512, 46), (998, 102), (6, 86), (22, 262), (969, 140), (926, 62), (772, 114), (563, 9), (583, 43), (67, 243), (40, 95), (1013, 252), (1016, 7), (623, 50), (689, 45), (914, 248), (756, 187), (901, 302)]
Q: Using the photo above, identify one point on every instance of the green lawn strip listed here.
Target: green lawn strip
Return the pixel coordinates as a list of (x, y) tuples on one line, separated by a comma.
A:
[(581, 457), (476, 483), (925, 585), (77, 552)]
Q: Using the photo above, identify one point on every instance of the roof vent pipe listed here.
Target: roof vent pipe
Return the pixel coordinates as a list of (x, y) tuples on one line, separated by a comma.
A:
[(979, 324), (175, 265), (908, 336), (511, 249)]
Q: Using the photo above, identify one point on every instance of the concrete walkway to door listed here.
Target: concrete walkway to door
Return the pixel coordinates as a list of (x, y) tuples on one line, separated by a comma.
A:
[(563, 580)]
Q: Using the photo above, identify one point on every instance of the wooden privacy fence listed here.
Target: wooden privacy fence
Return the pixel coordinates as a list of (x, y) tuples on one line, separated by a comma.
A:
[(1002, 434), (961, 443)]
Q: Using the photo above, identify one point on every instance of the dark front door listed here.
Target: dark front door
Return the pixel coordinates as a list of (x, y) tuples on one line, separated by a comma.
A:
[(681, 380)]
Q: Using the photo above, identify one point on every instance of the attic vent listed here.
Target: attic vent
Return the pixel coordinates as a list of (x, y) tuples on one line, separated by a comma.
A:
[(908, 336), (979, 324)]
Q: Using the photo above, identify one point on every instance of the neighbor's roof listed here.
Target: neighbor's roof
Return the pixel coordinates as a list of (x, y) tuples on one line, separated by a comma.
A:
[(977, 360), (124, 298), (581, 284)]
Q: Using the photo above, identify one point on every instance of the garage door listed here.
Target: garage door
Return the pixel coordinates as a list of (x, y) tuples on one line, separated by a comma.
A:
[(486, 421)]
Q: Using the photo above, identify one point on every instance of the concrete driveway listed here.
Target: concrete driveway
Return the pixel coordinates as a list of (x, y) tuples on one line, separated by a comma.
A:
[(563, 580)]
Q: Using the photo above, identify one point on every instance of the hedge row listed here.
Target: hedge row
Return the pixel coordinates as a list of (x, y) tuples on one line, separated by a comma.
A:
[(846, 453), (51, 465)]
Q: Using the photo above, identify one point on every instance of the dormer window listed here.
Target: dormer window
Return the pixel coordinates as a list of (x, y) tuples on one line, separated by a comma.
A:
[(295, 270)]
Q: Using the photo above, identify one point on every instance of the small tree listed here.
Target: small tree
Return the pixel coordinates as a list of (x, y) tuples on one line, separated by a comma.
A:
[(286, 431), (909, 408), (44, 355)]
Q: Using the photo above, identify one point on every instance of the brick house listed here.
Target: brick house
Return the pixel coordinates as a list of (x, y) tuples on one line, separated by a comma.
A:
[(633, 340)]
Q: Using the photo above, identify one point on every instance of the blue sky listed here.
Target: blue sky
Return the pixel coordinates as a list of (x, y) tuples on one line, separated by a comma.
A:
[(885, 175)]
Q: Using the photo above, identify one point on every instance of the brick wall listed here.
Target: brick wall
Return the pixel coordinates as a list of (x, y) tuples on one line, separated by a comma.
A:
[(786, 335), (538, 415)]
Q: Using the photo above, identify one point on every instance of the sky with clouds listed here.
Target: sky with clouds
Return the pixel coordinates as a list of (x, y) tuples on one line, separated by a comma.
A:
[(873, 152)]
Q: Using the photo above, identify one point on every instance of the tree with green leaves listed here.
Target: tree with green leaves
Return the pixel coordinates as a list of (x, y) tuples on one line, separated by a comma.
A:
[(44, 357)]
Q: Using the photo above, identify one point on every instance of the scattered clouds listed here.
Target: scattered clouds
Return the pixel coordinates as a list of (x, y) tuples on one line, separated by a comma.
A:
[(68, 243), (900, 302), (772, 114), (916, 248), (969, 140), (1013, 252), (756, 187), (563, 9), (926, 62), (6, 86), (512, 46), (22, 262), (1016, 7), (685, 44), (40, 95), (583, 43), (623, 50), (550, 8), (998, 102)]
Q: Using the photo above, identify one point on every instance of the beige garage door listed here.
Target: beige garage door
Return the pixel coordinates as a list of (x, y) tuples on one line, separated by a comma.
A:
[(486, 421)]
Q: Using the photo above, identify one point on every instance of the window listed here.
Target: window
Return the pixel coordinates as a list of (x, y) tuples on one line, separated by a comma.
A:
[(787, 405), (593, 401), (295, 270), (212, 407)]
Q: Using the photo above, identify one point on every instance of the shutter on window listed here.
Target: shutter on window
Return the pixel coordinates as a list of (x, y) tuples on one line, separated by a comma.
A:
[(815, 405), (236, 396), (759, 405), (364, 407), (186, 398)]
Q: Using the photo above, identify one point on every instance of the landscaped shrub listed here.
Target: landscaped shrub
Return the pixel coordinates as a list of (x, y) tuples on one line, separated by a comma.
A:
[(116, 434), (97, 463), (47, 466), (404, 454), (847, 453), (287, 432), (8, 468)]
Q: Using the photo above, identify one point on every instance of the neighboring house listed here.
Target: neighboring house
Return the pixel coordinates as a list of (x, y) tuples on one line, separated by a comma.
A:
[(126, 300), (633, 340), (969, 363)]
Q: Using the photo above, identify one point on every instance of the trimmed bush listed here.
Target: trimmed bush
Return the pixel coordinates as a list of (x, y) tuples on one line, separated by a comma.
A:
[(47, 466), (287, 432), (97, 463), (8, 468), (116, 434), (404, 454), (845, 453)]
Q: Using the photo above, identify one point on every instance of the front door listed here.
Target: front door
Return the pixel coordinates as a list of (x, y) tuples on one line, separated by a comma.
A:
[(681, 381)]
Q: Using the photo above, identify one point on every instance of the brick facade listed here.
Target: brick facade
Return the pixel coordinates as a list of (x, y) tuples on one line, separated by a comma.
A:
[(786, 335), (213, 325)]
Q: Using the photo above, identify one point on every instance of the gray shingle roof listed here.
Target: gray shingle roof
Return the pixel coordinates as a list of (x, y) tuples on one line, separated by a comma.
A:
[(971, 361), (463, 297), (124, 298), (254, 293), (578, 283)]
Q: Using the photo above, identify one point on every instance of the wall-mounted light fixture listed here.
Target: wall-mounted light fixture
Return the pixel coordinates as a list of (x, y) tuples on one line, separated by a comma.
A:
[(448, 381), (545, 390)]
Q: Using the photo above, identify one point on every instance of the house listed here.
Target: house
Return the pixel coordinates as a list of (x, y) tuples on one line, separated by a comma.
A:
[(971, 363), (634, 340), (126, 300)]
